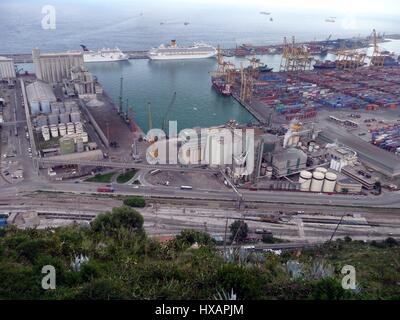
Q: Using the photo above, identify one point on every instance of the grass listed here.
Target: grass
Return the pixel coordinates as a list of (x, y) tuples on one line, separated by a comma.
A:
[(101, 178), (125, 177)]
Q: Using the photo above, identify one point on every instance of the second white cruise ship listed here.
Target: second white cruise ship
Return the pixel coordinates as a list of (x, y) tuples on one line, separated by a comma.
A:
[(174, 52), (103, 55)]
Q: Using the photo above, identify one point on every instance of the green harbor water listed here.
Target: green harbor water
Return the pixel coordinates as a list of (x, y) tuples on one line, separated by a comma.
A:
[(196, 103)]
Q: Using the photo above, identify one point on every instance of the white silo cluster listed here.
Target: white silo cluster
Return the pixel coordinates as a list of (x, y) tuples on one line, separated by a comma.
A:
[(46, 133), (78, 127), (319, 181)]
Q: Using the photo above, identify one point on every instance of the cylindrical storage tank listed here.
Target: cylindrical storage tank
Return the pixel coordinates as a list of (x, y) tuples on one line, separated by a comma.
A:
[(54, 131), (330, 182), (53, 119), (70, 128), (62, 129), (305, 180), (317, 182), (263, 171), (75, 117), (78, 127), (269, 172), (85, 137), (321, 169), (64, 118)]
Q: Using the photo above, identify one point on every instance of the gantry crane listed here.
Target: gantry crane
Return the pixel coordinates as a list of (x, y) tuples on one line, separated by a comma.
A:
[(246, 85), (377, 59), (295, 58), (225, 70)]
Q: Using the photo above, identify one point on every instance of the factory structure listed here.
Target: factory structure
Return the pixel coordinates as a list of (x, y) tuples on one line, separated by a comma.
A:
[(58, 121), (55, 67), (7, 68)]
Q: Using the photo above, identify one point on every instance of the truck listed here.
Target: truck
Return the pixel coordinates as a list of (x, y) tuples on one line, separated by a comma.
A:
[(105, 189)]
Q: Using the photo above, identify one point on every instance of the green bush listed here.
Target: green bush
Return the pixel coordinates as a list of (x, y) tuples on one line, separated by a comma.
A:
[(135, 202)]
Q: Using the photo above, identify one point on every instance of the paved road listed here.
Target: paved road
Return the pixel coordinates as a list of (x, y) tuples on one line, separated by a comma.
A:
[(387, 200)]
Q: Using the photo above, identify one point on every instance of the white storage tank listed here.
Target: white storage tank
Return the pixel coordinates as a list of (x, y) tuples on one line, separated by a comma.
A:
[(322, 170), (85, 137), (70, 128), (330, 182), (63, 129), (45, 133), (317, 181), (78, 127), (54, 131), (305, 180)]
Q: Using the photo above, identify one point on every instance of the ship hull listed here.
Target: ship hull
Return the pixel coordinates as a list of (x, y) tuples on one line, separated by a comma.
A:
[(181, 57), (105, 59)]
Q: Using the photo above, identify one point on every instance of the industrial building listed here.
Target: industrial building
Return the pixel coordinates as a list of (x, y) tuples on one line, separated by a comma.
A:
[(55, 67), (345, 184), (288, 161), (40, 96), (340, 156), (7, 68), (83, 81)]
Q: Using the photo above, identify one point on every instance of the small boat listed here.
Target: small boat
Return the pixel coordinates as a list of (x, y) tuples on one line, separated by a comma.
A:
[(265, 13), (186, 23), (270, 19)]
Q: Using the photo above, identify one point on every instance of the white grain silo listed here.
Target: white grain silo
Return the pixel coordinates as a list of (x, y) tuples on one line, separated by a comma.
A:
[(330, 182), (70, 128), (321, 169), (54, 131), (78, 127), (305, 180), (84, 137), (46, 133), (62, 129), (75, 117), (317, 181), (64, 118)]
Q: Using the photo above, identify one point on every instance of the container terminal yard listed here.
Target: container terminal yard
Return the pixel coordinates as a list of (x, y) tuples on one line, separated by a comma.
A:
[(326, 146)]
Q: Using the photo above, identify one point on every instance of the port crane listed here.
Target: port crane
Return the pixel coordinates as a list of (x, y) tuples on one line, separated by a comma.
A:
[(294, 58), (377, 59), (165, 118)]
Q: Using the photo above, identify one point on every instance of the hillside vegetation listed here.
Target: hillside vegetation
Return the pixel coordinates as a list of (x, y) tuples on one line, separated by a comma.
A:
[(119, 261)]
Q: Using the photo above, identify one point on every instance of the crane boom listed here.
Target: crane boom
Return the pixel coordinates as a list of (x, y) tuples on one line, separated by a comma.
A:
[(165, 118)]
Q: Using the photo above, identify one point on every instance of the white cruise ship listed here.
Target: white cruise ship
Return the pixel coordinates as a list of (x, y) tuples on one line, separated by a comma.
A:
[(174, 52), (103, 55)]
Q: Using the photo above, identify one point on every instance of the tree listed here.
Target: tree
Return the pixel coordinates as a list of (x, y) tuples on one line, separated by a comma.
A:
[(119, 218), (239, 230), (135, 202), (191, 237)]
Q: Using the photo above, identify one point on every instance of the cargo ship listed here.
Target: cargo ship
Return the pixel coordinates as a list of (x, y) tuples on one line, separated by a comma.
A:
[(103, 55), (221, 87), (325, 65), (175, 52)]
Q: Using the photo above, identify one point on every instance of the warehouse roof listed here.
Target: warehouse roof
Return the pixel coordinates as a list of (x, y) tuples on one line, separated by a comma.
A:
[(40, 91)]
